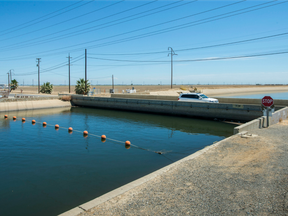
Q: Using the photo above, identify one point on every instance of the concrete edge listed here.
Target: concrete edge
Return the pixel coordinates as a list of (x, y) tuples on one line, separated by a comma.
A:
[(262, 121), (254, 124), (105, 197)]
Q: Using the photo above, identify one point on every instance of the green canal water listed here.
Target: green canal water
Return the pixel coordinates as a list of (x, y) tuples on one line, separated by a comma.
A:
[(46, 171)]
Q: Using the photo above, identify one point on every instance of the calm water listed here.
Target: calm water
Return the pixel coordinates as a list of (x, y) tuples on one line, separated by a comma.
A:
[(47, 172), (281, 96)]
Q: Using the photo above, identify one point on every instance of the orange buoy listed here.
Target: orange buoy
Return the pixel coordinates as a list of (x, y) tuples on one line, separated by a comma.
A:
[(103, 138), (44, 123), (23, 119), (85, 132), (5, 116), (70, 129), (127, 143), (14, 117), (33, 121), (56, 126)]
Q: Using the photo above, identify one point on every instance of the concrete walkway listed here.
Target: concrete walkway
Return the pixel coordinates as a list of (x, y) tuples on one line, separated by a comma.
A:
[(243, 175)]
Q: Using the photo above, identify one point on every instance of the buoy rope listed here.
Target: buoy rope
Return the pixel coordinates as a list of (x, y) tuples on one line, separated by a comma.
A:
[(110, 139)]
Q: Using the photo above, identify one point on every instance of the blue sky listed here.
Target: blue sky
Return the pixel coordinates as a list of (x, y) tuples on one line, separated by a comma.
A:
[(130, 40)]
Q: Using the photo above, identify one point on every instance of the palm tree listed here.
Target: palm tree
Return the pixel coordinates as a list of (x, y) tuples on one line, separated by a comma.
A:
[(46, 88), (80, 87), (14, 84)]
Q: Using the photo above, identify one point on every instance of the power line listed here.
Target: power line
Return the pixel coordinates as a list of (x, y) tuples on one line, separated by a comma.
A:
[(64, 64), (97, 10), (81, 25), (204, 59), (159, 24), (197, 48), (189, 24), (166, 62), (25, 26), (178, 27), (147, 27), (87, 29)]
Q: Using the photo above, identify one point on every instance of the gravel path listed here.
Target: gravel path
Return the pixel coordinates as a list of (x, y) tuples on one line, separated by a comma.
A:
[(241, 176)]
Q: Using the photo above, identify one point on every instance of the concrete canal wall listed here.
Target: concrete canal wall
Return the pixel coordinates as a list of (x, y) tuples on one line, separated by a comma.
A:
[(221, 99), (237, 112), (145, 97)]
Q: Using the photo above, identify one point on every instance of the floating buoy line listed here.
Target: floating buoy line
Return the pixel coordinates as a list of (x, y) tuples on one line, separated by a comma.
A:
[(85, 134)]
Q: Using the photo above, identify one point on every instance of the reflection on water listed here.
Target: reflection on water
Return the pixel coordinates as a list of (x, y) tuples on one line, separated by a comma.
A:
[(46, 171), (172, 123)]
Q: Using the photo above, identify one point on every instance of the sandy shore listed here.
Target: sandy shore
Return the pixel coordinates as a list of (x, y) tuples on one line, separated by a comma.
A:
[(210, 90)]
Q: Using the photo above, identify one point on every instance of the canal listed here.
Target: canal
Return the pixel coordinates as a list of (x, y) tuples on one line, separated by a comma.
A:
[(46, 171)]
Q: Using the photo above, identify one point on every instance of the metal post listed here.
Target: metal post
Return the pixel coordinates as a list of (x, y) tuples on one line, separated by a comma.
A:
[(172, 53), (38, 65), (267, 116), (85, 70)]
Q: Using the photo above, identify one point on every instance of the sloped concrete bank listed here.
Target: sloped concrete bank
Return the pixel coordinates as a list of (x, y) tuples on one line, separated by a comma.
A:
[(32, 104)]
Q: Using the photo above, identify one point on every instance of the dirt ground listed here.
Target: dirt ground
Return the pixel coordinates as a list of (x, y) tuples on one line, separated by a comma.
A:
[(212, 90)]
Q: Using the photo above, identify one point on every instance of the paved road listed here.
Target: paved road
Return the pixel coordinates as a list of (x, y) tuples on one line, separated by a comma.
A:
[(241, 176)]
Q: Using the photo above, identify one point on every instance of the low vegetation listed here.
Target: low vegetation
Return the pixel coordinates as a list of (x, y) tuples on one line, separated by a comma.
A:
[(80, 87), (46, 88), (14, 84)]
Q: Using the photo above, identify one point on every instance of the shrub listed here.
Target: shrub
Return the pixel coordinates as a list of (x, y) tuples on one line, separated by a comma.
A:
[(46, 88), (14, 84), (80, 87)]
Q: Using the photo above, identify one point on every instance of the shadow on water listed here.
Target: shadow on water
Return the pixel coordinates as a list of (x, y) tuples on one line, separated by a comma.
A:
[(173, 123)]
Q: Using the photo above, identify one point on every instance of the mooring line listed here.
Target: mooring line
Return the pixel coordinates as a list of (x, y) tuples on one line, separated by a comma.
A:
[(113, 140)]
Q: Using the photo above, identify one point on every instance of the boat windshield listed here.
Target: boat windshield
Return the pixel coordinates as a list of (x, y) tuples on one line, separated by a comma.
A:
[(203, 96)]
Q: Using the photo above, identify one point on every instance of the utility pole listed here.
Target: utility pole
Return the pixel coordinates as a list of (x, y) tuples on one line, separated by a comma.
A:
[(85, 70), (69, 70), (38, 65), (172, 53), (8, 83), (10, 76), (113, 83)]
